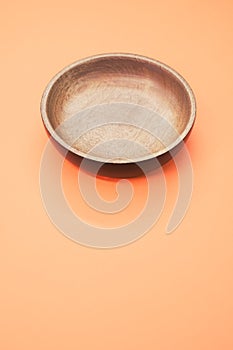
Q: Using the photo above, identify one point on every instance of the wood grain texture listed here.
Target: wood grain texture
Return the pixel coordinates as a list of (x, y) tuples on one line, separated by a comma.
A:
[(118, 108)]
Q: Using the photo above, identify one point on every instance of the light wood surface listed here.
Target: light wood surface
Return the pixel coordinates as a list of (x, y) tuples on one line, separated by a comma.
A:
[(118, 108)]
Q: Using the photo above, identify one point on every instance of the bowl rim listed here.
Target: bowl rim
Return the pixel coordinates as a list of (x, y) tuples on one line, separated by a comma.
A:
[(173, 72)]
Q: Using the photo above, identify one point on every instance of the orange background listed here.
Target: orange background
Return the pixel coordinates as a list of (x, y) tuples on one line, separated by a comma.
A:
[(163, 291)]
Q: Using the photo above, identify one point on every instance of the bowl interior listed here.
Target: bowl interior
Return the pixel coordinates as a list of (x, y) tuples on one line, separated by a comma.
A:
[(118, 109)]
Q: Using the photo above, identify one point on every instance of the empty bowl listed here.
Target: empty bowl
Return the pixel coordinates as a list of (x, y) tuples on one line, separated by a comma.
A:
[(118, 108)]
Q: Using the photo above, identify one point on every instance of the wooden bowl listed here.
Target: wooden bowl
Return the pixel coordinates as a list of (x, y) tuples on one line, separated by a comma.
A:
[(118, 108)]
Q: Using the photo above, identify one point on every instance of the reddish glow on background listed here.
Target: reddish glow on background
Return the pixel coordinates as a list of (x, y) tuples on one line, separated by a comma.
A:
[(161, 292)]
